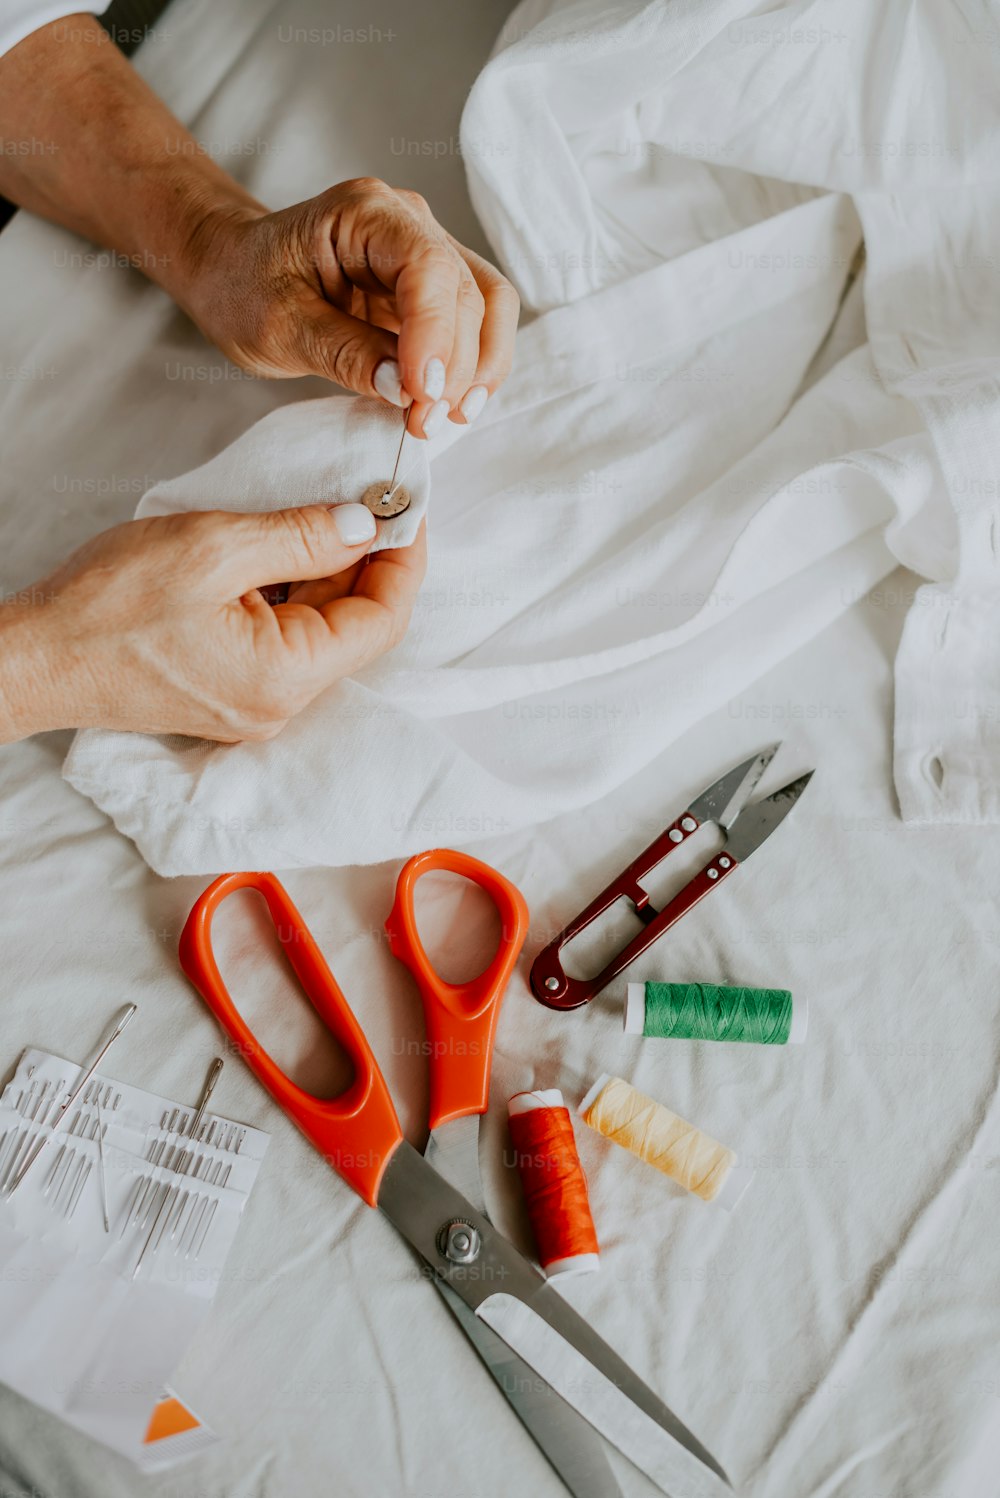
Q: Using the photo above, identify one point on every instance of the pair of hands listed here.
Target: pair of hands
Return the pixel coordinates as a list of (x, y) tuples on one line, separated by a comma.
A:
[(159, 625)]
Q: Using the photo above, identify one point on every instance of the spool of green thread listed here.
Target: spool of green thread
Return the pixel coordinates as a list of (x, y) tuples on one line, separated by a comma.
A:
[(704, 1011)]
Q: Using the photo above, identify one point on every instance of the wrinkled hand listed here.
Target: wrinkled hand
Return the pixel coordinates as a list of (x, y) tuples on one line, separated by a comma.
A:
[(159, 626), (362, 286)]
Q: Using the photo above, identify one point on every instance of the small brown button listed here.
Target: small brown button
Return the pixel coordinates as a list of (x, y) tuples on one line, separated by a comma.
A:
[(385, 502)]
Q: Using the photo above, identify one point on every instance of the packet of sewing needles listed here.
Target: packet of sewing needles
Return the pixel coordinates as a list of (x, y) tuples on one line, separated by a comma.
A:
[(88, 1335)]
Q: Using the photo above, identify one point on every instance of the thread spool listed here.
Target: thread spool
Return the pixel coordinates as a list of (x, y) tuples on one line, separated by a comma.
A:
[(554, 1185), (706, 1011), (669, 1143)]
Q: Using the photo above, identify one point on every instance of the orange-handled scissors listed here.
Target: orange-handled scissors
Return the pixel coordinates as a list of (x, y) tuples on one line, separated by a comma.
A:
[(435, 1200)]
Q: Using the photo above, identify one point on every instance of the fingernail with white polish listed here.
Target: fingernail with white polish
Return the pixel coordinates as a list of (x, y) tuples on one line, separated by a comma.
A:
[(387, 382), (355, 523), (436, 418), (473, 401), (434, 380)]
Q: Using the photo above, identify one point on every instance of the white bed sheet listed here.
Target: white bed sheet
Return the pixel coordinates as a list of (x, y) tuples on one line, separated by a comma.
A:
[(837, 1334)]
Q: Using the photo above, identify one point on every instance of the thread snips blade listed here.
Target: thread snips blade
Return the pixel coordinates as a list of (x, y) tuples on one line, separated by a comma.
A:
[(757, 822), (723, 801)]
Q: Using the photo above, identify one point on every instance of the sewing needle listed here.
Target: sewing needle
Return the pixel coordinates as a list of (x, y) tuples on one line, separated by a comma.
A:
[(104, 1172), (399, 453), (64, 1107), (186, 1156)]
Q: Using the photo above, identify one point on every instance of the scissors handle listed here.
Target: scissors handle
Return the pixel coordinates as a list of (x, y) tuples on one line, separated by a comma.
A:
[(461, 1018), (358, 1131), (552, 985)]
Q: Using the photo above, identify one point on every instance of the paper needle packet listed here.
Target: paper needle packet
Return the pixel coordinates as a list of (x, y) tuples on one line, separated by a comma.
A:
[(98, 1316)]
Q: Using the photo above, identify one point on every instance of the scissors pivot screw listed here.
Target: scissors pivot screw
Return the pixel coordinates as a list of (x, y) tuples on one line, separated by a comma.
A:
[(460, 1242), (552, 984)]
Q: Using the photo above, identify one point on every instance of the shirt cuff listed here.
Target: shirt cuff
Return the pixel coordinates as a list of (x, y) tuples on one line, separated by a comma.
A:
[(19, 18)]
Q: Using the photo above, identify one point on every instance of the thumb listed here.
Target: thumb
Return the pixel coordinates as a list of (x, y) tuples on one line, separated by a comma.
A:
[(343, 348), (283, 546)]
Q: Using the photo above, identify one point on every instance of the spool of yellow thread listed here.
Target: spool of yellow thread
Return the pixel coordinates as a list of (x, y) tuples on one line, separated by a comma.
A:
[(670, 1144)]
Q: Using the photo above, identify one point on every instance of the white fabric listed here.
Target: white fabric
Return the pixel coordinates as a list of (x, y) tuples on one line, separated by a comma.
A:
[(313, 452), (934, 321), (836, 1337), (582, 543), (529, 681), (19, 18), (661, 128)]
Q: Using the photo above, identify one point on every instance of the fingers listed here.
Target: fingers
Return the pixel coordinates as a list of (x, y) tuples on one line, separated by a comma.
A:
[(465, 350), (339, 637), (384, 240), (483, 330), (454, 314), (344, 348), (392, 578), (427, 289), (361, 285), (313, 541), (501, 308), (317, 591)]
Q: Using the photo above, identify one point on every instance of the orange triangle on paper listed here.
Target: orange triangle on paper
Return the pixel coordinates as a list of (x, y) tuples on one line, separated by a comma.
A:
[(169, 1419)]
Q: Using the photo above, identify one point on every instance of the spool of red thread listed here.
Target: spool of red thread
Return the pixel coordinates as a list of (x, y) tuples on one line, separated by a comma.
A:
[(554, 1185)]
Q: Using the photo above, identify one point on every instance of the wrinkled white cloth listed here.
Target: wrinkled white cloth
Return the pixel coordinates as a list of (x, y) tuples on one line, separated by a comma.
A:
[(312, 452), (602, 139), (698, 462), (934, 325), (837, 1337)]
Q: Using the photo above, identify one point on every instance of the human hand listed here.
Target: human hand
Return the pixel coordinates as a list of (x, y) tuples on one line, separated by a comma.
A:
[(360, 285), (158, 625)]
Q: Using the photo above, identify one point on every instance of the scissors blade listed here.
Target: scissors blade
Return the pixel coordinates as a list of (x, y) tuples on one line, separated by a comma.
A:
[(757, 822), (421, 1205), (453, 1150), (723, 801), (572, 1358), (566, 1440)]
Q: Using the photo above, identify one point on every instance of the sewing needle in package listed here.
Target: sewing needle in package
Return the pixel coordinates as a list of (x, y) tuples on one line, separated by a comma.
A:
[(97, 1317)]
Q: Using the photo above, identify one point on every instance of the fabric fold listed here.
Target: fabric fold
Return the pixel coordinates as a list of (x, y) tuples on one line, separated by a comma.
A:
[(696, 464)]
